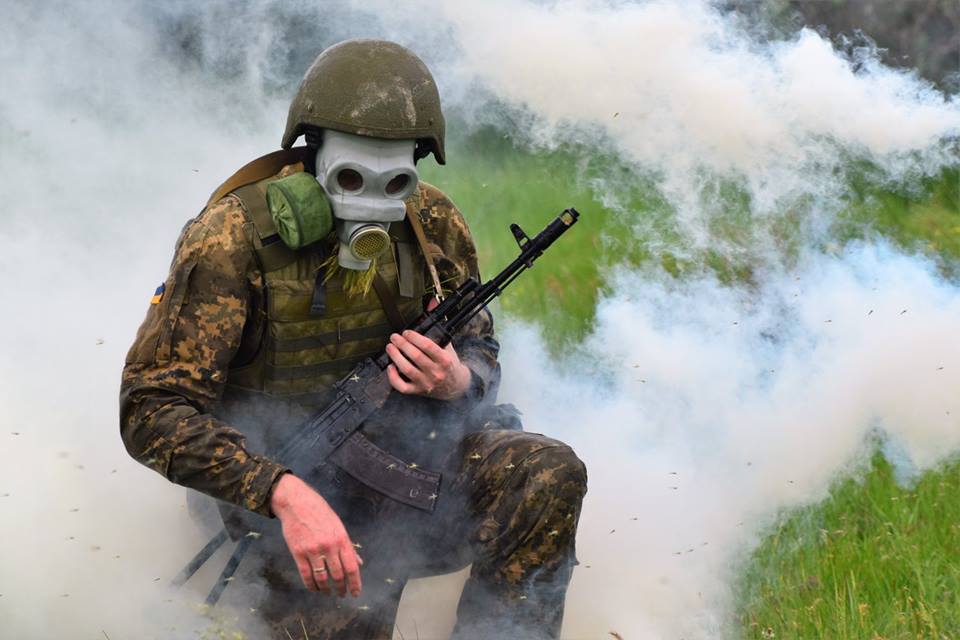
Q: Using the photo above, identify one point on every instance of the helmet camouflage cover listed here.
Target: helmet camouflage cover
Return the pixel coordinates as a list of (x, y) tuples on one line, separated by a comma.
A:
[(370, 88)]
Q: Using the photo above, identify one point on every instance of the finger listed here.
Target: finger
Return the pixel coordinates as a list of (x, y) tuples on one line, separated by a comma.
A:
[(336, 573), (306, 573), (428, 346), (321, 575), (397, 382), (348, 557), (451, 354), (413, 353), (432, 304), (405, 367)]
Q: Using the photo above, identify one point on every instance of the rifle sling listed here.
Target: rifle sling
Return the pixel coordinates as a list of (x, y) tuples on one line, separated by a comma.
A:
[(262, 167), (387, 473), (417, 226)]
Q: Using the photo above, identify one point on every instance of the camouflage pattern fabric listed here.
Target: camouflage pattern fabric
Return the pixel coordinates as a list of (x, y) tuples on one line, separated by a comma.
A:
[(511, 510), (456, 260), (176, 370)]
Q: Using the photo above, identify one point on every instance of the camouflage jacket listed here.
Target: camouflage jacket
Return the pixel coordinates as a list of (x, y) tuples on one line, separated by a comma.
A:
[(175, 372)]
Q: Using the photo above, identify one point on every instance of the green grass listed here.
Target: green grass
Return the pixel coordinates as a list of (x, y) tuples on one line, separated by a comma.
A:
[(927, 220), (875, 560)]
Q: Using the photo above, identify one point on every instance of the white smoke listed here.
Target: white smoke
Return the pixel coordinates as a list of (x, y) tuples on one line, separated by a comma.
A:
[(716, 408), (681, 90), (745, 400)]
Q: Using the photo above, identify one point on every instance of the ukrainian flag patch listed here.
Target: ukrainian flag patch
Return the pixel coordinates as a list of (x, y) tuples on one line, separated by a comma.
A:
[(158, 294)]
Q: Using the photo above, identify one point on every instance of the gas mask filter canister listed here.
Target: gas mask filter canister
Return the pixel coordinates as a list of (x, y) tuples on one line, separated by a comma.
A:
[(366, 181), (300, 210)]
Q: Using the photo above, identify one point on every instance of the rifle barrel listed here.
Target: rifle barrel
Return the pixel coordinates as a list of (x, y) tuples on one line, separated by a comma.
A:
[(529, 251)]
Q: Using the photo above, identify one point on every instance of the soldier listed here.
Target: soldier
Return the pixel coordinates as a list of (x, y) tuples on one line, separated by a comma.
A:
[(304, 262)]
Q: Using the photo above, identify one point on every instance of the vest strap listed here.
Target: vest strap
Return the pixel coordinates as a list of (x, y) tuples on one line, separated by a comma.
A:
[(318, 302), (332, 338), (389, 302), (297, 372), (406, 271), (273, 254)]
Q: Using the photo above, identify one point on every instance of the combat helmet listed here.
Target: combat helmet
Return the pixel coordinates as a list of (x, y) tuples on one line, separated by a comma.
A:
[(370, 88)]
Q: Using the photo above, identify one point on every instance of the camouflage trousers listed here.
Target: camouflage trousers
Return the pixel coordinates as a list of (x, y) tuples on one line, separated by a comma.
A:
[(511, 510)]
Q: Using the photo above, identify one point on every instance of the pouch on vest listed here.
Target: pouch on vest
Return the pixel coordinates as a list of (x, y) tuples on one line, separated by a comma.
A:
[(299, 209)]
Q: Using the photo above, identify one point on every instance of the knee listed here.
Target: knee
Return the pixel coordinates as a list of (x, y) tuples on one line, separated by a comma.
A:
[(526, 462), (558, 468)]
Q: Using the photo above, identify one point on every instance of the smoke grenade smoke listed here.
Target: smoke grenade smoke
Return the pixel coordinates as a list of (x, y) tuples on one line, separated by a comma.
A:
[(718, 408), (701, 409)]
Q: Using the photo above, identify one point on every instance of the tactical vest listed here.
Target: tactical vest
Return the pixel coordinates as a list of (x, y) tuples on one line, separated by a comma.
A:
[(304, 334)]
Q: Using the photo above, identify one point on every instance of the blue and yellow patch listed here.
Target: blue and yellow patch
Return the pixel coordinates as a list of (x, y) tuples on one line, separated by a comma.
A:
[(158, 294)]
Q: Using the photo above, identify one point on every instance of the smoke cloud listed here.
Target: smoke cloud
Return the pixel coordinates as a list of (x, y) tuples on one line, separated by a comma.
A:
[(711, 409), (683, 92), (701, 409)]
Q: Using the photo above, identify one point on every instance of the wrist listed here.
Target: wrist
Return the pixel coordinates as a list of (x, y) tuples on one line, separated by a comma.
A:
[(464, 380), (280, 496)]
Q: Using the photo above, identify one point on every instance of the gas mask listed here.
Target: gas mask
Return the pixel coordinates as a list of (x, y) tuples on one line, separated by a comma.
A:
[(366, 181)]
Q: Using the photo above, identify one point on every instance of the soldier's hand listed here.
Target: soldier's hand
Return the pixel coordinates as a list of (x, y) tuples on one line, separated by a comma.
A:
[(316, 538), (429, 369)]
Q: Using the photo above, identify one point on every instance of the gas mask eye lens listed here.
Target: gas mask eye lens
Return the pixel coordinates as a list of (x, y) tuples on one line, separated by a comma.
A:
[(349, 180), (397, 184)]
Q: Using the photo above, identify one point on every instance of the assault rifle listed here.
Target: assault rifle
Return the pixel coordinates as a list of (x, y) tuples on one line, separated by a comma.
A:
[(333, 434)]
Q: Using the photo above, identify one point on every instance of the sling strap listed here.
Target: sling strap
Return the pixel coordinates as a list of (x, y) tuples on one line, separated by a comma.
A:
[(262, 167), (417, 225)]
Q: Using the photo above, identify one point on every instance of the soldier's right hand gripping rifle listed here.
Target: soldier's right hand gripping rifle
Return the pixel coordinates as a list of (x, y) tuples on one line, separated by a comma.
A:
[(333, 435)]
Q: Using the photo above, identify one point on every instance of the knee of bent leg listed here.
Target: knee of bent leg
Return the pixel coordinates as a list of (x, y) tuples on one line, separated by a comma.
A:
[(560, 469)]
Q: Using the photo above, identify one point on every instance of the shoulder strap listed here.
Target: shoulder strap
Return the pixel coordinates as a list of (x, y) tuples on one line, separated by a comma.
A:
[(413, 216), (272, 253), (259, 169)]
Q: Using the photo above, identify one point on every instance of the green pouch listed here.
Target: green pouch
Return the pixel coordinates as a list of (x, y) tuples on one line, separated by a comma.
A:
[(300, 210)]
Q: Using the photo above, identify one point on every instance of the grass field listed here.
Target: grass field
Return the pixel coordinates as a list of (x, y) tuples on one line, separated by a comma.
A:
[(876, 560)]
